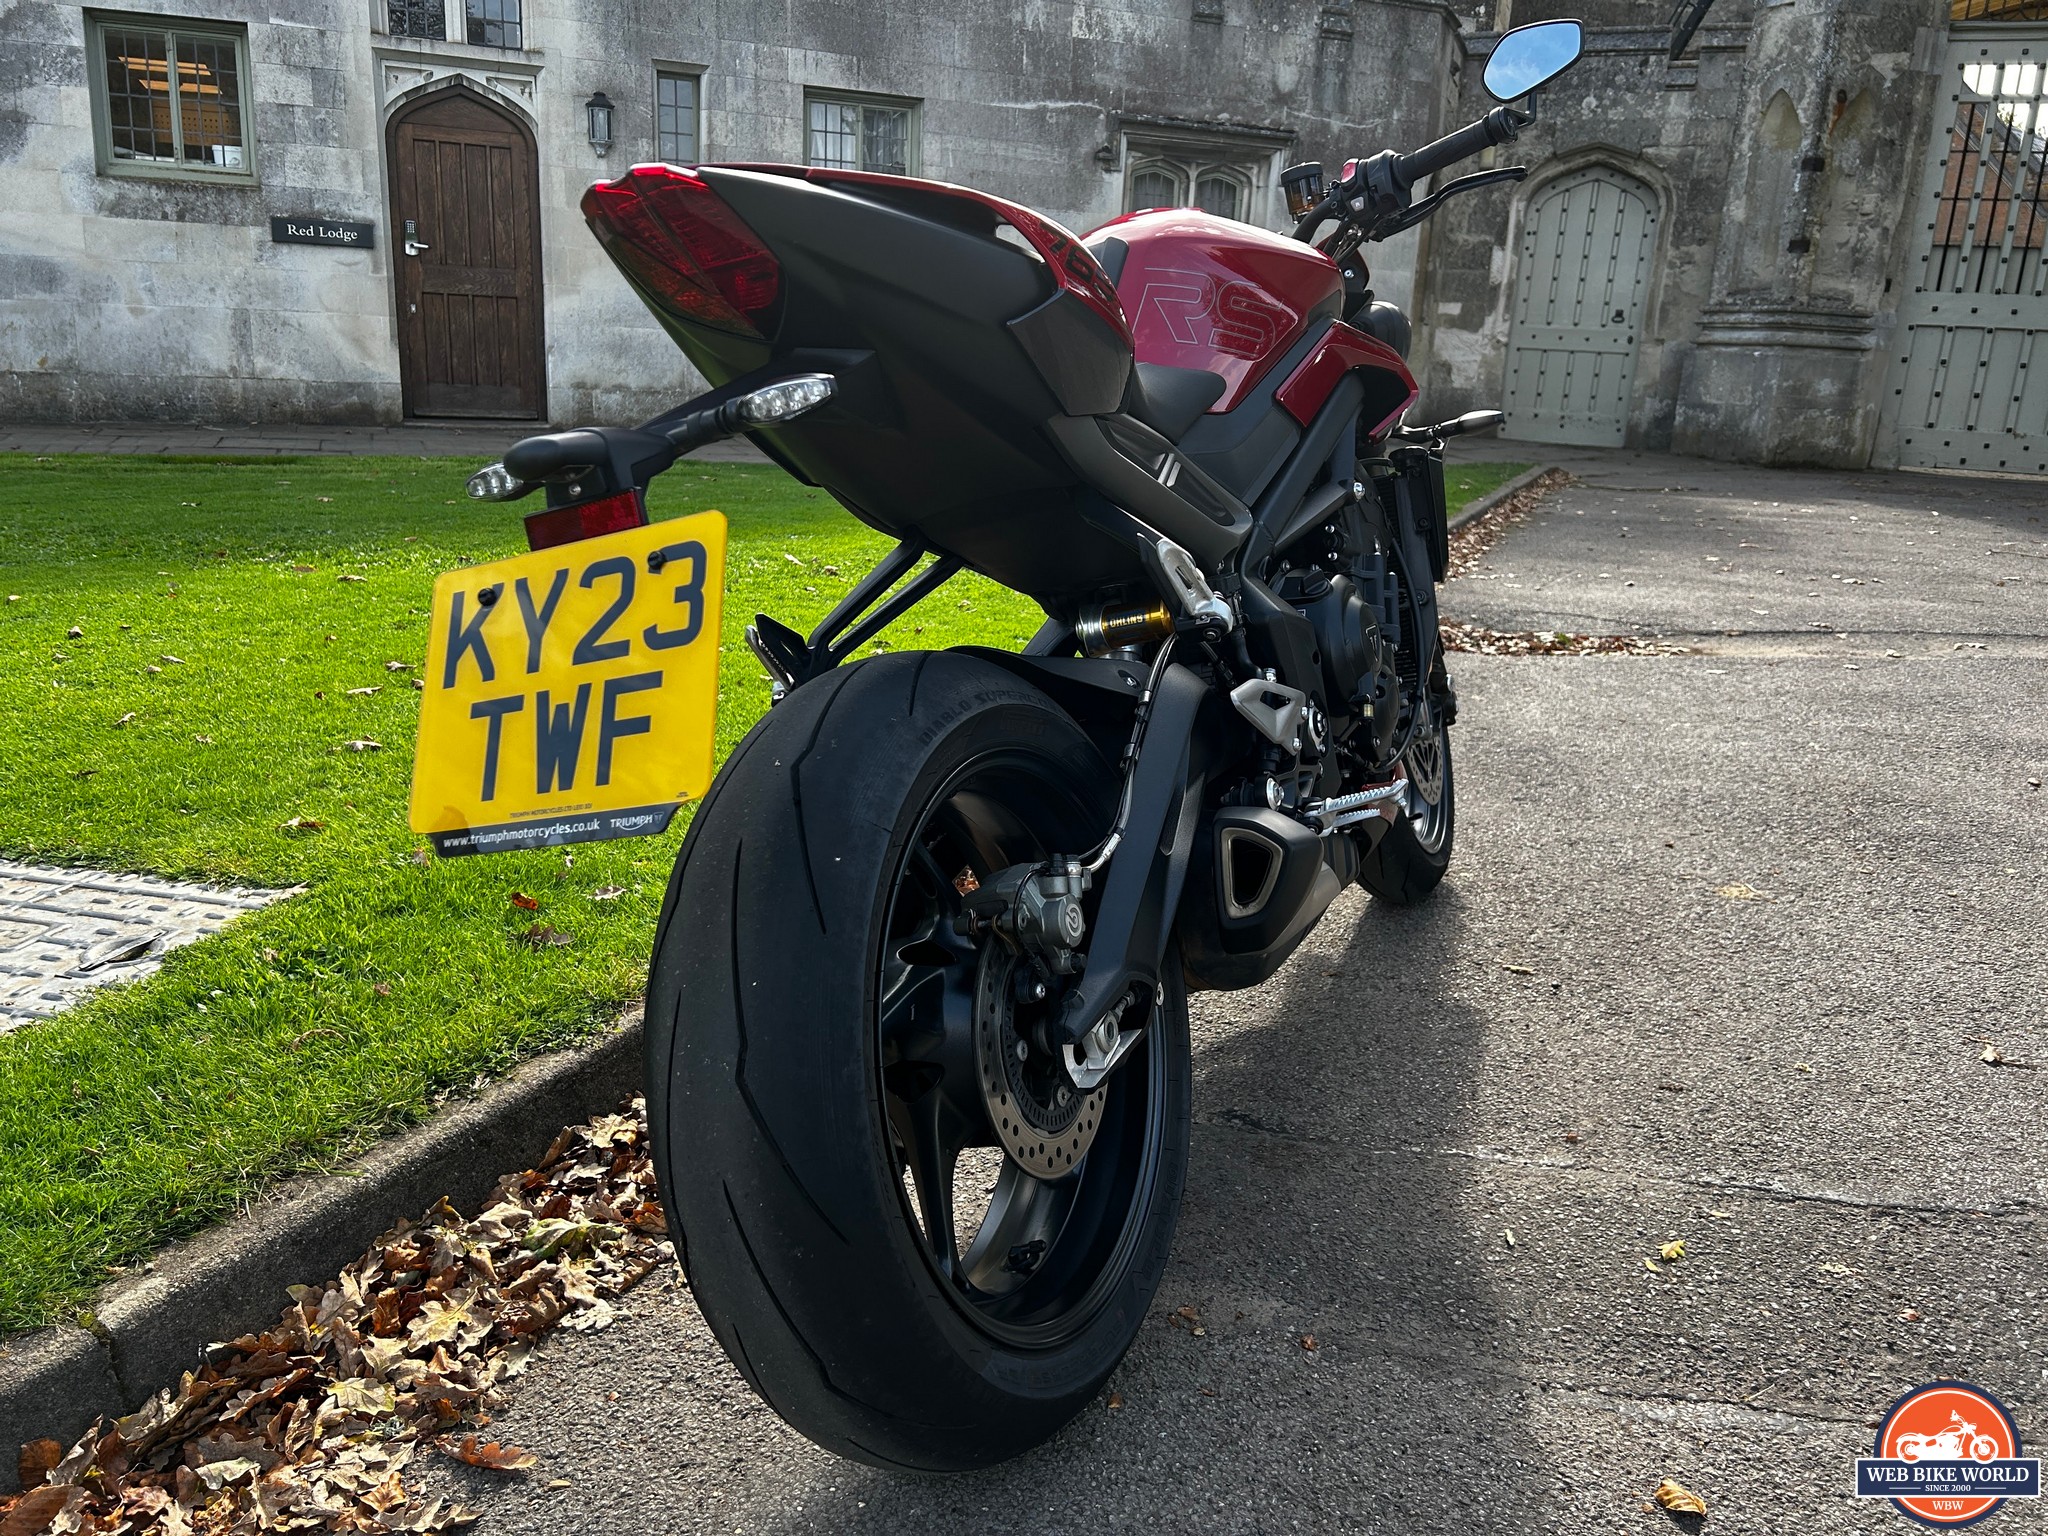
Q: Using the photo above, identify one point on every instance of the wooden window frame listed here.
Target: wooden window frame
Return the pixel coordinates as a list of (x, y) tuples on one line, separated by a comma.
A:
[(914, 135), (664, 70), (97, 25)]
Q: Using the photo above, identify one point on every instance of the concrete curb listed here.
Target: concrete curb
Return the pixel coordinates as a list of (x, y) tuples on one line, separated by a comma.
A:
[(150, 1327), (1473, 510)]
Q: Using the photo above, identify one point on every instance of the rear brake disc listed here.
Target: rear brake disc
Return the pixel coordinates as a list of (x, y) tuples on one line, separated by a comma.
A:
[(1044, 1122)]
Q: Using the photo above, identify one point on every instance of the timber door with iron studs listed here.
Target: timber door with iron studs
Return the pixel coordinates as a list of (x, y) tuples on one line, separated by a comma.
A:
[(465, 199), (1582, 281), (1967, 384)]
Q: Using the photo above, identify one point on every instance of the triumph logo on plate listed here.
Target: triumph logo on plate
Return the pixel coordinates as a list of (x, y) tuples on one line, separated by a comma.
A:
[(1948, 1454)]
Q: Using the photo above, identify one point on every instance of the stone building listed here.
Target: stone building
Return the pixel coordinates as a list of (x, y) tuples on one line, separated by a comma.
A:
[(151, 262), (1815, 237)]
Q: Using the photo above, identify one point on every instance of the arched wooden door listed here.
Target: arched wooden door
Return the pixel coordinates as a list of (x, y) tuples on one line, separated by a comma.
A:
[(1582, 282), (466, 254)]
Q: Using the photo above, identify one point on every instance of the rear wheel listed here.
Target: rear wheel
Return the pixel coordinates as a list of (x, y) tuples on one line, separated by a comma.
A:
[(908, 1230), (1416, 850)]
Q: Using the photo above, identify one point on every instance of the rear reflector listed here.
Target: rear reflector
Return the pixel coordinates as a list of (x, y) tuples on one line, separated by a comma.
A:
[(685, 248), (585, 520)]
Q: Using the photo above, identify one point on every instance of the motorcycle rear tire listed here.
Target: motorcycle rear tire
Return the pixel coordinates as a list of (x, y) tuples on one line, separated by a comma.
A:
[(1410, 861), (784, 1191)]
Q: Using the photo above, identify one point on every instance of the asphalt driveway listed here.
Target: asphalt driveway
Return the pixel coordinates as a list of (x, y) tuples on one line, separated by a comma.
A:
[(1726, 942)]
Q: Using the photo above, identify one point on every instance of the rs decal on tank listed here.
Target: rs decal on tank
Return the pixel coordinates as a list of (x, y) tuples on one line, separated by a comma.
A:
[(1198, 311)]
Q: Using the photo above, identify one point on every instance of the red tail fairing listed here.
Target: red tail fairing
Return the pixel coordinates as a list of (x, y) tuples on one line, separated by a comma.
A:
[(685, 249)]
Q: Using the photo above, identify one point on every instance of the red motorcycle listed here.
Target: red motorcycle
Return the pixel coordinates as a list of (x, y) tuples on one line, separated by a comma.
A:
[(917, 1026)]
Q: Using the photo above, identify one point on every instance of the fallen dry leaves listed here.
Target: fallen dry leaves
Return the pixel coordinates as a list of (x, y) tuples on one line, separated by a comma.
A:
[(1678, 1498), (1471, 542), (312, 1425), (37, 1458), (1480, 640), (499, 1458)]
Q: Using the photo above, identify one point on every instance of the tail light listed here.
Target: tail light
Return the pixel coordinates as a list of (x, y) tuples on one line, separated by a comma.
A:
[(685, 248), (585, 520)]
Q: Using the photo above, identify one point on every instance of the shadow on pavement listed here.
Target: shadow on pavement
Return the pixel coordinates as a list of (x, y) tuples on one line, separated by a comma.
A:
[(1353, 1370)]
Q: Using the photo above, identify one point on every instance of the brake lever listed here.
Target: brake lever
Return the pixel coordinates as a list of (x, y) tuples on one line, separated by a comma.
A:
[(1422, 210)]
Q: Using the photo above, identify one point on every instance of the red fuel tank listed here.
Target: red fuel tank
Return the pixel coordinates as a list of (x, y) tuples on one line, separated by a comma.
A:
[(1207, 292)]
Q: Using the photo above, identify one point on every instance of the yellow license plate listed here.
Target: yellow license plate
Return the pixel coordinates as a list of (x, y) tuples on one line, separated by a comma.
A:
[(571, 694)]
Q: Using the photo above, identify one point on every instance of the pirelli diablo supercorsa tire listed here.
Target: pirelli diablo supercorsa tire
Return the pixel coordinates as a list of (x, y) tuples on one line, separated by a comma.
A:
[(806, 980)]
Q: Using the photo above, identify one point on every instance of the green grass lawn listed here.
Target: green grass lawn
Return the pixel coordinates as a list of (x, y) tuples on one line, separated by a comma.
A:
[(200, 712)]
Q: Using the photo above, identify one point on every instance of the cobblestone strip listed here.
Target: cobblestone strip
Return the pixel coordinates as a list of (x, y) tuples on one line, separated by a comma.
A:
[(66, 931)]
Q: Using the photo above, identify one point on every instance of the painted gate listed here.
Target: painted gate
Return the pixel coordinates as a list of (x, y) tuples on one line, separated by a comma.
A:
[(1582, 281), (1966, 388)]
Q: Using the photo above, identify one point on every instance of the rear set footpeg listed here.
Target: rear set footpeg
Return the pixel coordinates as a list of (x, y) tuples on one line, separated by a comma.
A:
[(1348, 810)]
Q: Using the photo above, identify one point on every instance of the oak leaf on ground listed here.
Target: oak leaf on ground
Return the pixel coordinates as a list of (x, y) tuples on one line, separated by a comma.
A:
[(495, 1455)]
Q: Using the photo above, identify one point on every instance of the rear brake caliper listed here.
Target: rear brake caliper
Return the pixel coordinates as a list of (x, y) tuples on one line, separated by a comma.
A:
[(1036, 909), (1043, 1114)]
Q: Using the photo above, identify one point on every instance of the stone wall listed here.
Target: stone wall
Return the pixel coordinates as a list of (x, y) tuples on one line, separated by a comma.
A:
[(124, 298), (1791, 356), (128, 299), (1783, 152), (1624, 106)]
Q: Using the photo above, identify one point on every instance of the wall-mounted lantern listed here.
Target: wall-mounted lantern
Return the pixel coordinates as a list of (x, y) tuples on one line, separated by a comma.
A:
[(599, 108)]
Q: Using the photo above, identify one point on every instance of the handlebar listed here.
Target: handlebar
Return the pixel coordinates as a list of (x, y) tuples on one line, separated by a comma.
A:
[(1371, 198), (1497, 127)]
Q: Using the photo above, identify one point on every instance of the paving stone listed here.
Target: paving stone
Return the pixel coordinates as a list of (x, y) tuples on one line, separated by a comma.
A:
[(65, 931)]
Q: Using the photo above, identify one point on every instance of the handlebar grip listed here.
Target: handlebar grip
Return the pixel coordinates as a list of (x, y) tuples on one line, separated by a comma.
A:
[(1497, 127)]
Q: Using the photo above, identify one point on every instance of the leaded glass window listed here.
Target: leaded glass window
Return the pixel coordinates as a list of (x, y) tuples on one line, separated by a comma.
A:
[(1165, 175), (1219, 195), (417, 18), (1155, 186), (851, 135), (172, 99)]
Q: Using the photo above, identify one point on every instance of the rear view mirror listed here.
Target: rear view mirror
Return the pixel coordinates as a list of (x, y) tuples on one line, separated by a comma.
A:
[(1531, 56)]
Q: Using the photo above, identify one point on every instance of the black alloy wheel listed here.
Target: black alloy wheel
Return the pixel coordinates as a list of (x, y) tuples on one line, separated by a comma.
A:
[(1027, 1251)]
